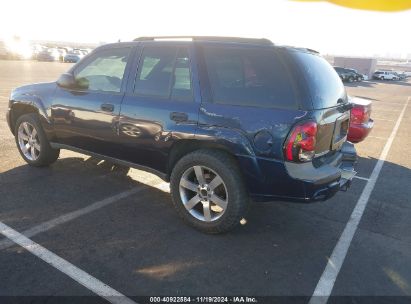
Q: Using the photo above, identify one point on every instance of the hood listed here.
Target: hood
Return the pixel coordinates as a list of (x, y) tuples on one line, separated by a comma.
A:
[(32, 89)]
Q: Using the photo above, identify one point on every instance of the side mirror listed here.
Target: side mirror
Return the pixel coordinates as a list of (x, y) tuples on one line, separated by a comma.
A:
[(67, 81)]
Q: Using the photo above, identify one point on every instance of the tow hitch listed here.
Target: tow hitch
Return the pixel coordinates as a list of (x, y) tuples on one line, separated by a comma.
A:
[(346, 178), (345, 186)]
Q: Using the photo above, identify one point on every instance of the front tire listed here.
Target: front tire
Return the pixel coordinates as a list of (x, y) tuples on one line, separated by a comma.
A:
[(32, 142), (208, 191)]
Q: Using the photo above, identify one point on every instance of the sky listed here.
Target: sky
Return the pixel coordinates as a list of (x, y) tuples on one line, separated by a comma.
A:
[(322, 26)]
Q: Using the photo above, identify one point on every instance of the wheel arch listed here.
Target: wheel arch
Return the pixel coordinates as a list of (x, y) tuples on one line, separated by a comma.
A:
[(186, 146), (26, 105)]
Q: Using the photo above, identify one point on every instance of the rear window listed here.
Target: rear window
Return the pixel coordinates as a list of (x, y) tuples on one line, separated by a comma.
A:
[(323, 83), (248, 77)]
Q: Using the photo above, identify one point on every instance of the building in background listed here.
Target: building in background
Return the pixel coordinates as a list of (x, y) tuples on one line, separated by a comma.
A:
[(366, 66)]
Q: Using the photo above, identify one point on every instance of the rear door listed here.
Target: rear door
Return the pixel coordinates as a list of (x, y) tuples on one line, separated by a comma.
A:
[(160, 106), (327, 100)]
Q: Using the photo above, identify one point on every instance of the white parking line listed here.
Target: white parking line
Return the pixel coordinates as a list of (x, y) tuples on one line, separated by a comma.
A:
[(80, 276), (326, 283), (362, 178), (377, 137), (71, 216)]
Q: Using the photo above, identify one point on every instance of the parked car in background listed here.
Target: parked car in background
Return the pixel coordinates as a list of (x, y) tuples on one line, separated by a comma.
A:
[(357, 76), (349, 75), (72, 57), (221, 131), (84, 52), (48, 54), (62, 53), (341, 73), (361, 123), (385, 75), (401, 75)]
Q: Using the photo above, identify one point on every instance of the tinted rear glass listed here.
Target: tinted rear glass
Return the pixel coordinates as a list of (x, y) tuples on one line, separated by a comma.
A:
[(323, 83), (248, 77)]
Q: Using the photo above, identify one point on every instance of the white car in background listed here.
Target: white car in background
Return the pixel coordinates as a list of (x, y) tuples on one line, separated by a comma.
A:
[(385, 75)]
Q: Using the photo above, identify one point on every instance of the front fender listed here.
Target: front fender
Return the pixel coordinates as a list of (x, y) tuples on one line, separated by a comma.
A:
[(29, 99)]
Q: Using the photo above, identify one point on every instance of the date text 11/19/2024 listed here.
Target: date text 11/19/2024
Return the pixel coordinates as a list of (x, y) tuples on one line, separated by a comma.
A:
[(203, 299)]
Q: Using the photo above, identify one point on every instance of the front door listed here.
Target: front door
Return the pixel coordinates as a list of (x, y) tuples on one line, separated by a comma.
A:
[(86, 116)]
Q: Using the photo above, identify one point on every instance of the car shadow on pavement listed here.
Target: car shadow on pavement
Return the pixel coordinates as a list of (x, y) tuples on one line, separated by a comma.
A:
[(372, 83), (368, 84), (403, 83), (142, 243), (73, 172)]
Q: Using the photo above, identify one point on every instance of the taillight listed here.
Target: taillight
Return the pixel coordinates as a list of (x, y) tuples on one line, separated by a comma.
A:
[(360, 114), (300, 144)]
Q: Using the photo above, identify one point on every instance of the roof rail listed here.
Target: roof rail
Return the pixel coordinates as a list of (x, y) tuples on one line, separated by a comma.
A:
[(209, 38)]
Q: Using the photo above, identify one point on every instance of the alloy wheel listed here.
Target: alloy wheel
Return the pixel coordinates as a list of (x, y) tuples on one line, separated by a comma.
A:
[(203, 193), (29, 142)]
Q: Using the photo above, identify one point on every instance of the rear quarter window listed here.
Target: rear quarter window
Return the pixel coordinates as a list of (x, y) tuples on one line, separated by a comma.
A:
[(253, 77), (323, 83)]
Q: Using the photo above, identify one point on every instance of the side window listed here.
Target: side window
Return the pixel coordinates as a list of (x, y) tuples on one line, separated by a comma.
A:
[(181, 89), (248, 77), (164, 72), (105, 72)]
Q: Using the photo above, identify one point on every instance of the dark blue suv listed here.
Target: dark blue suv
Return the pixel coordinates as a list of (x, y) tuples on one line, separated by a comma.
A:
[(222, 119)]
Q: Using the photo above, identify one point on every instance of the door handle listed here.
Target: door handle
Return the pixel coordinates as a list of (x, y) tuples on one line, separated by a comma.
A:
[(178, 116), (107, 107)]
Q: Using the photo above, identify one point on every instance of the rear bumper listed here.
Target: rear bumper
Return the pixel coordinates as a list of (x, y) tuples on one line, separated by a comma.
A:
[(301, 182), (358, 132)]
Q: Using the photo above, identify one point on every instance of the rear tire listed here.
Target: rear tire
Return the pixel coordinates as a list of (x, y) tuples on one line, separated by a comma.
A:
[(32, 142), (350, 79), (208, 191)]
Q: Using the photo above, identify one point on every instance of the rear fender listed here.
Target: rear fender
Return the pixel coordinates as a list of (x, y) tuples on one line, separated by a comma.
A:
[(235, 143)]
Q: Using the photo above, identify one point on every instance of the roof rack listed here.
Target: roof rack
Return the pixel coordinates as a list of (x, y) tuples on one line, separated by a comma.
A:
[(208, 38), (312, 51), (302, 49)]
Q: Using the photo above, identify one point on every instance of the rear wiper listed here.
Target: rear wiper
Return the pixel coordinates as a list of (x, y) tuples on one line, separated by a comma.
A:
[(347, 106)]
